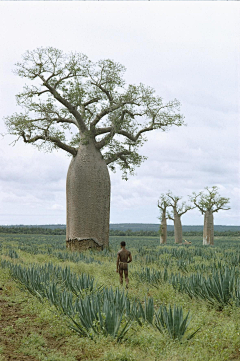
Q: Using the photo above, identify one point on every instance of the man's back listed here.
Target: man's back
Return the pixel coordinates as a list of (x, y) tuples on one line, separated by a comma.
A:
[(123, 255)]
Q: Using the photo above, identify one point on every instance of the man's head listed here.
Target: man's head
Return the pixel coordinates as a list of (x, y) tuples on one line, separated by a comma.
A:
[(123, 244)]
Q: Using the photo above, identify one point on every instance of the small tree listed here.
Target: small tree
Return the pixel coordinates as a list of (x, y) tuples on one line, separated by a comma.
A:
[(209, 203), (85, 109), (163, 203), (177, 211)]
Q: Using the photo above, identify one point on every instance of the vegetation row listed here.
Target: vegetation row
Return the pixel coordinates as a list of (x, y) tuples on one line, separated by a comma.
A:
[(112, 232)]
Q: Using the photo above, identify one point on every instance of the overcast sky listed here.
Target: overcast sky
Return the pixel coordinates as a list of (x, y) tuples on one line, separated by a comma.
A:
[(185, 50)]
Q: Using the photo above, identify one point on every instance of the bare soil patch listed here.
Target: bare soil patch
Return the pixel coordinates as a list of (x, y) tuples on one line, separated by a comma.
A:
[(10, 333)]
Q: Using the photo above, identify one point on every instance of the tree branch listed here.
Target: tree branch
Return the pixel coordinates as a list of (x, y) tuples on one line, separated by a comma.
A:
[(220, 207), (61, 79), (54, 140), (185, 211), (99, 131), (110, 98), (105, 140), (169, 216), (116, 156), (94, 100), (68, 105), (104, 112), (111, 109)]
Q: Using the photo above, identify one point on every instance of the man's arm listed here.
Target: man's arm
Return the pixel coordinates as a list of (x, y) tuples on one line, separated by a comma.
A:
[(118, 258), (130, 258)]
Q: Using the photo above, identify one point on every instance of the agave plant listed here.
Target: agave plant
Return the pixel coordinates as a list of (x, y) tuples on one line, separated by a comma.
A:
[(95, 315), (146, 312), (152, 276), (217, 289), (12, 254), (172, 322)]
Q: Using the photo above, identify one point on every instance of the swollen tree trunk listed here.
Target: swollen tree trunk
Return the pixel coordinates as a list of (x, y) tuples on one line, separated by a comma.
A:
[(163, 230), (88, 200), (177, 228), (208, 229)]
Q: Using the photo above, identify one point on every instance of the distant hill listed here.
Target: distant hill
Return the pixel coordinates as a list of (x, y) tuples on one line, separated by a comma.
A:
[(155, 227), (137, 227)]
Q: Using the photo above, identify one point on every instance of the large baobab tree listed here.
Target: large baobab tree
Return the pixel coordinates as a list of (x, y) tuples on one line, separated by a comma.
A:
[(85, 109), (163, 203), (177, 211), (209, 203)]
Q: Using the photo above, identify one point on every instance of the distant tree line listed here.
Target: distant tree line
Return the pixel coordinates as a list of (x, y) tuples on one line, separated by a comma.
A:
[(129, 232), (112, 232), (32, 230)]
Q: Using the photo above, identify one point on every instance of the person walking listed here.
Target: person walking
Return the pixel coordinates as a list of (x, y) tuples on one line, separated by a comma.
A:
[(123, 258)]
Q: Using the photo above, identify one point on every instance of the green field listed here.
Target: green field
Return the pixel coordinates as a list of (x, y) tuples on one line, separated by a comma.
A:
[(42, 300)]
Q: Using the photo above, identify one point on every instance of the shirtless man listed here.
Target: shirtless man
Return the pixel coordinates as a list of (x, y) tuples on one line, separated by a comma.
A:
[(123, 258)]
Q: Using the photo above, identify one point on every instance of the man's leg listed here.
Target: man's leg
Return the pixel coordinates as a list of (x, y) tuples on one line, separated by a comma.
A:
[(126, 277), (121, 276)]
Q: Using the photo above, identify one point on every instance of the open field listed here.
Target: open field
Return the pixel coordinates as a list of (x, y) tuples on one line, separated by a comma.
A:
[(36, 324)]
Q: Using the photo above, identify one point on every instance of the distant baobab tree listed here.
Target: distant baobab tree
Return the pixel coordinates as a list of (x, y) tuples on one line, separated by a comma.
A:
[(209, 203), (163, 203), (85, 109), (177, 211)]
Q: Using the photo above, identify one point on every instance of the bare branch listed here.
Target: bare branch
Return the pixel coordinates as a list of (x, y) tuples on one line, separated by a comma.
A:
[(94, 100), (169, 216), (187, 208), (105, 140), (40, 93), (99, 131), (220, 207), (54, 140)]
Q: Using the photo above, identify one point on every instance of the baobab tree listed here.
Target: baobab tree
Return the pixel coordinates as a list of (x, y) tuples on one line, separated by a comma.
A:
[(163, 203), (209, 203), (177, 211), (85, 109)]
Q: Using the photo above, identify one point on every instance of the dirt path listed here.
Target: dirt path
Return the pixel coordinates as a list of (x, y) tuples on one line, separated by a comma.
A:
[(10, 332)]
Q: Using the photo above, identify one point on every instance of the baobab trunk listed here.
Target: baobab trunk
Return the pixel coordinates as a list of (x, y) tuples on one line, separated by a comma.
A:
[(163, 230), (88, 200), (177, 229), (208, 229)]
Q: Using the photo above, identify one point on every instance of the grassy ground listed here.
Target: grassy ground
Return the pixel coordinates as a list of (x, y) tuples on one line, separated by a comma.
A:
[(34, 330)]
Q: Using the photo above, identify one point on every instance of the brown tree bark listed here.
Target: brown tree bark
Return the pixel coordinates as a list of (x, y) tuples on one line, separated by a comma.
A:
[(177, 228), (163, 229), (88, 200), (208, 229)]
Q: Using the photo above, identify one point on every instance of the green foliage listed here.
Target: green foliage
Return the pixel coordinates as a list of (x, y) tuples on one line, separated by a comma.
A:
[(41, 281), (177, 208), (210, 200), (218, 289), (172, 321), (97, 314), (189, 231), (71, 100), (218, 339), (102, 312), (152, 276)]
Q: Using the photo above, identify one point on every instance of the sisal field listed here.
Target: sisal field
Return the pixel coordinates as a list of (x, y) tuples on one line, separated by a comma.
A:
[(183, 302)]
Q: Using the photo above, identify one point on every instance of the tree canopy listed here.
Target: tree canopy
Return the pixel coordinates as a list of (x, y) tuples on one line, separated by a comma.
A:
[(69, 99), (163, 203), (210, 200), (180, 209)]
